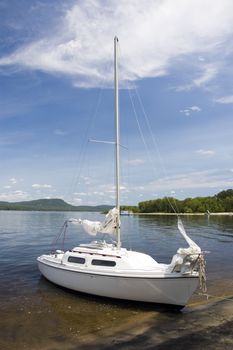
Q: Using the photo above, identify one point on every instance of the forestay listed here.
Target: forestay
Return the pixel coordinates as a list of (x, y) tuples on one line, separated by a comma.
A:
[(107, 226)]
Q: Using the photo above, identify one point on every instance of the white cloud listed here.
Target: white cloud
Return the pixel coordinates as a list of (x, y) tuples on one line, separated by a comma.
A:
[(209, 72), (225, 99), (98, 193), (41, 186), (80, 194), (14, 196), (187, 111), (13, 181), (195, 108), (77, 200), (86, 179), (207, 152), (195, 180), (82, 46), (201, 59), (59, 132), (139, 188), (7, 186), (20, 193)]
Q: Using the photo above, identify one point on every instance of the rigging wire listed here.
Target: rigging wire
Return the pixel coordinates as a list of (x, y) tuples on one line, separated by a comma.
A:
[(60, 235), (156, 146), (126, 182), (82, 163), (81, 159), (174, 207), (140, 128), (84, 146), (125, 170), (155, 143)]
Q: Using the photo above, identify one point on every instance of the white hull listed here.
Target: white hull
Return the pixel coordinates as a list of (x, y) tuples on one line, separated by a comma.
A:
[(174, 290)]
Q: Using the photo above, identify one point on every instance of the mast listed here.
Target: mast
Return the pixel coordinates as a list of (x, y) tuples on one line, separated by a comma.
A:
[(117, 146)]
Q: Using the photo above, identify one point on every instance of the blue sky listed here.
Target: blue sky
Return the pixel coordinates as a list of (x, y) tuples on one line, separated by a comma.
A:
[(56, 78)]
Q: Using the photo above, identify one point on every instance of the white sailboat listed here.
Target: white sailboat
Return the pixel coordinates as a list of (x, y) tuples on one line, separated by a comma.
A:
[(110, 270)]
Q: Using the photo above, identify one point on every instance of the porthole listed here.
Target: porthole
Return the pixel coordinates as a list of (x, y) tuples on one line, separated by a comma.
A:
[(98, 262), (76, 260)]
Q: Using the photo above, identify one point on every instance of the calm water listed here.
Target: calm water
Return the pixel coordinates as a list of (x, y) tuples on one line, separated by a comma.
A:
[(35, 314)]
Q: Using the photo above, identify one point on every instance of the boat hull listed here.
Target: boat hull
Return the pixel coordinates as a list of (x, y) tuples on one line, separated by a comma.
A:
[(165, 290)]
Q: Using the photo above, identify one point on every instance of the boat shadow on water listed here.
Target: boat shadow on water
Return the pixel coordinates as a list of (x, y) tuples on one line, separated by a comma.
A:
[(46, 289)]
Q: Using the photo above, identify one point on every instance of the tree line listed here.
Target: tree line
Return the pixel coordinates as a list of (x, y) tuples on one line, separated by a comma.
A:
[(221, 202)]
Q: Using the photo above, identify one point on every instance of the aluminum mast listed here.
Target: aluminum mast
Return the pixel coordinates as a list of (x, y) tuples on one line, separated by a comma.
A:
[(117, 147)]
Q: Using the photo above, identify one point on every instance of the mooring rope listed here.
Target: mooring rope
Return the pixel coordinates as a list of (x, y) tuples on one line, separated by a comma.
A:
[(202, 273), (207, 295)]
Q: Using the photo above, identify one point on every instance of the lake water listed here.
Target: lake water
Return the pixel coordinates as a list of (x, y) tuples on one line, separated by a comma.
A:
[(35, 314)]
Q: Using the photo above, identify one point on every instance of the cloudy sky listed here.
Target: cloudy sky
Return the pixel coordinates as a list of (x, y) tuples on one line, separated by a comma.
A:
[(176, 99)]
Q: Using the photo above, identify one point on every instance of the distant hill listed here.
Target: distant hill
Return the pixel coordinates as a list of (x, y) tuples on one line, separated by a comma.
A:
[(55, 204)]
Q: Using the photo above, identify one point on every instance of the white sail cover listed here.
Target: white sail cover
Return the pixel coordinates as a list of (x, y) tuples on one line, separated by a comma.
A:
[(193, 247), (93, 227)]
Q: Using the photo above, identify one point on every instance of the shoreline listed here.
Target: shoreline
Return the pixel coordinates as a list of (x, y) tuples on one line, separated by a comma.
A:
[(186, 214), (131, 214)]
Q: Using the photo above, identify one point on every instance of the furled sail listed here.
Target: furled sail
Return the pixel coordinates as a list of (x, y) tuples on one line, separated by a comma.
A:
[(193, 247), (192, 254), (107, 226)]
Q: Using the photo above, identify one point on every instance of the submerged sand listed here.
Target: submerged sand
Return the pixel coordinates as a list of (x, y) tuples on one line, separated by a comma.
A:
[(206, 327), (46, 323)]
